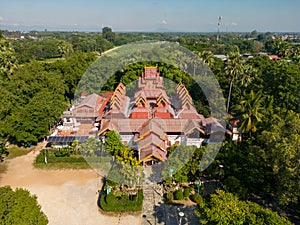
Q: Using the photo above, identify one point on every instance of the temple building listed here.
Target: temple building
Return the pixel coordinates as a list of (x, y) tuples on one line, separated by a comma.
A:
[(150, 123)]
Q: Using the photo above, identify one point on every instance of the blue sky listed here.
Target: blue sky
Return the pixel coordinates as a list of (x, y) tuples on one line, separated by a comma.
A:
[(147, 15)]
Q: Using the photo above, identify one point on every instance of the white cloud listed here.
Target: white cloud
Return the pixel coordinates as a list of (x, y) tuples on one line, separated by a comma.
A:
[(1, 18), (164, 22), (234, 24)]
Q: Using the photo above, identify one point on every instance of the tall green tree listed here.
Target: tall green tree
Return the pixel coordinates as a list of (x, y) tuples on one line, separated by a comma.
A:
[(130, 167), (225, 208), (207, 57), (8, 61), (19, 207), (250, 107), (279, 47), (3, 149), (233, 70), (90, 146), (281, 143), (281, 80), (108, 34), (65, 48), (247, 76), (113, 143)]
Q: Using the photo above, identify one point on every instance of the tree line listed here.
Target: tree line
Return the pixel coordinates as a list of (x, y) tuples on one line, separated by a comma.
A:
[(34, 94), (263, 94)]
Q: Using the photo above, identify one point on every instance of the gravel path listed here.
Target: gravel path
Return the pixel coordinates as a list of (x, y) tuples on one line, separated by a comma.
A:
[(68, 197)]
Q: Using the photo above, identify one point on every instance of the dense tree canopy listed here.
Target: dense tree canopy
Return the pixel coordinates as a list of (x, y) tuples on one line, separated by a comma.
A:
[(263, 94), (113, 143), (19, 207), (225, 208), (33, 99), (281, 143), (8, 60)]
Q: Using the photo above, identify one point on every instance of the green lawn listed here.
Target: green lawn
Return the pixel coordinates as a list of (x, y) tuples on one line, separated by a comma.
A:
[(63, 165), (53, 162), (70, 162), (13, 152), (16, 152), (71, 165)]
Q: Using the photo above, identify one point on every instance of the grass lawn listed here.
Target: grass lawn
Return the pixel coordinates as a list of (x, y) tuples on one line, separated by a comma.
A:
[(13, 152), (63, 165), (16, 151), (70, 162), (71, 165)]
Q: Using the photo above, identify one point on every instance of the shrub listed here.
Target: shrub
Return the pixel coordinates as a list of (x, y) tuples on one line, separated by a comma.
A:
[(186, 192), (111, 203), (234, 185), (197, 198), (64, 152), (178, 195), (170, 197), (110, 199), (52, 158)]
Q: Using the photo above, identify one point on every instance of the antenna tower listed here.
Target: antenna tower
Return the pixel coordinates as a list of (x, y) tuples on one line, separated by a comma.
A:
[(219, 24)]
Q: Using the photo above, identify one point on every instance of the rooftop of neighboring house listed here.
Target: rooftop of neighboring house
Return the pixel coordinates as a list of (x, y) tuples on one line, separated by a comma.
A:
[(274, 57)]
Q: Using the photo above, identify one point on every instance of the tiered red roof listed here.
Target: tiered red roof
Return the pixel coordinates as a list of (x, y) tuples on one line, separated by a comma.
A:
[(150, 115)]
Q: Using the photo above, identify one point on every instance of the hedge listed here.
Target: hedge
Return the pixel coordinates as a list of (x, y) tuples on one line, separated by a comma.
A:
[(62, 152), (197, 198), (112, 203), (52, 157)]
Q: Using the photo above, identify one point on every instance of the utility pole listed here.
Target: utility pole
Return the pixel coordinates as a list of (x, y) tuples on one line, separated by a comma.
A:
[(220, 174), (219, 24)]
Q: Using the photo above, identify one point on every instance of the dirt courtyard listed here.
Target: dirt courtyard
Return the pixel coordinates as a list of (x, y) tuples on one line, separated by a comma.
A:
[(67, 197)]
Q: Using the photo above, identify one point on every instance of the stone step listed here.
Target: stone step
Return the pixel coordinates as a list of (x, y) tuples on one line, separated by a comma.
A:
[(153, 196)]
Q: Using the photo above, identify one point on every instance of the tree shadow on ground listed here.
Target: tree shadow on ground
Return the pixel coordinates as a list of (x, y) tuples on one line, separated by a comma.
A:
[(169, 214)]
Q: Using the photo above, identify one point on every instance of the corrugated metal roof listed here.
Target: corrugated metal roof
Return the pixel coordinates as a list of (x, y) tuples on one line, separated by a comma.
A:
[(90, 101)]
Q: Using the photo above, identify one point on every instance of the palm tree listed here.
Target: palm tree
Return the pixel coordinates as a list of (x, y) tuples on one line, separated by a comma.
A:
[(238, 72), (250, 108), (284, 49), (207, 57), (247, 75), (65, 48), (233, 70)]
